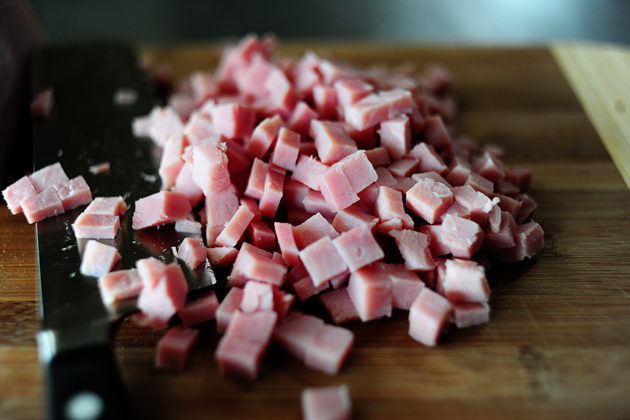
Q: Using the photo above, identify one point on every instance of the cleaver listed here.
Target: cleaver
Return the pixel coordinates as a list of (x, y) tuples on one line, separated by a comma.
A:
[(88, 126)]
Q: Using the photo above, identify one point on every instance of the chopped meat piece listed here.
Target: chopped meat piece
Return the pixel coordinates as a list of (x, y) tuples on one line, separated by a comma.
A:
[(465, 281), (528, 207), (462, 236), (160, 208), (210, 165), (257, 177), (48, 177), (119, 285), (336, 189), (459, 171), (287, 244), (395, 135), (406, 286), (329, 348), (164, 290), (186, 185), (339, 306), (308, 170), (436, 134), (489, 167), (18, 191), (256, 264), (389, 206), (403, 167), (272, 194), (264, 136), (300, 119), (98, 259), (200, 309), (192, 252), (261, 236), (175, 348), (322, 250), (358, 247), (222, 257), (188, 226), (235, 228), (287, 149), (220, 208), (313, 229), (429, 199), (238, 357), (377, 107), (414, 248), (521, 177), (479, 183), (332, 142), (164, 123), (97, 226), (304, 288), (370, 289), (73, 193), (325, 101), (233, 120), (100, 168), (429, 159), (230, 303), (529, 239), (428, 315), (257, 297), (255, 327), (108, 206), (431, 174), (350, 91), (326, 403), (351, 217), (172, 163), (378, 157), (467, 314)]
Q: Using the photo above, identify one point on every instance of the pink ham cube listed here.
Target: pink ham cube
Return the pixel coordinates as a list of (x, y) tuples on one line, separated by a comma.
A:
[(406, 285), (326, 403), (459, 171), (350, 91), (339, 306), (304, 288), (257, 297), (351, 217), (97, 226), (308, 170), (313, 229), (160, 208), (358, 169), (414, 248), (164, 290), (164, 123), (489, 167), (222, 257), (462, 236), (235, 228), (220, 208), (282, 303), (48, 177), (358, 247), (529, 238), (389, 206), (378, 157), (296, 333), (228, 306), (98, 259), (272, 193), (186, 185), (199, 310), (465, 281), (332, 142), (264, 136), (329, 348), (192, 252), (175, 348), (171, 163), (42, 205), (110, 206), (336, 189), (325, 101), (429, 199), (287, 244), (119, 285), (467, 314), (18, 191), (238, 357), (479, 183), (403, 167), (395, 135), (257, 177), (429, 159), (210, 165), (233, 120), (256, 264), (261, 236), (370, 289), (377, 107), (74, 193), (428, 315), (300, 119), (287, 149), (255, 327), (322, 261)]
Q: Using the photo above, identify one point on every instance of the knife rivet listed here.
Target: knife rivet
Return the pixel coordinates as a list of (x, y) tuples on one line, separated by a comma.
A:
[(84, 406)]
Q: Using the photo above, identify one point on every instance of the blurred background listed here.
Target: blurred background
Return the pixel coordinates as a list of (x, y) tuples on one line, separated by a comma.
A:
[(409, 21)]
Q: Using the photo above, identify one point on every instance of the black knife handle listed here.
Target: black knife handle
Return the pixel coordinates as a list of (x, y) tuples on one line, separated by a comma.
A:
[(86, 384)]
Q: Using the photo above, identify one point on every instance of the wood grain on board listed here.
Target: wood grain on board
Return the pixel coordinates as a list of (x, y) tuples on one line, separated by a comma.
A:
[(557, 345)]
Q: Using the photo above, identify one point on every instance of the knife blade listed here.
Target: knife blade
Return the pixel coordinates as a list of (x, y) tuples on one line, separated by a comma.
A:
[(86, 127)]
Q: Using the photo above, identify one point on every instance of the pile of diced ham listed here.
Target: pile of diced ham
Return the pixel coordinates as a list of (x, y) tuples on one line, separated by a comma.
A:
[(308, 177)]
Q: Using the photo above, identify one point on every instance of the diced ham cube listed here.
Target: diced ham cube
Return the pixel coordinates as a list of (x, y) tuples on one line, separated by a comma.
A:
[(351, 217), (185, 184), (429, 199), (203, 87), (256, 264), (332, 142), (377, 107), (504, 236), (431, 174), (119, 285), (110, 206), (339, 306), (73, 193), (436, 244), (199, 310), (220, 208), (164, 290), (210, 165), (429, 159), (467, 314), (414, 248), (222, 257), (465, 281), (304, 288), (171, 163), (98, 259), (428, 315), (358, 247), (329, 348), (235, 228), (175, 348), (296, 333), (336, 189), (264, 136), (255, 327), (97, 226), (48, 177), (287, 244), (378, 157), (257, 297), (404, 184), (233, 120), (314, 202), (325, 101), (42, 103), (403, 167), (479, 183), (489, 167), (42, 205), (389, 206), (406, 285), (529, 239), (322, 250), (18, 191), (350, 91), (257, 178), (237, 159), (238, 357), (395, 135), (199, 127), (164, 123), (316, 227), (261, 236), (300, 119), (367, 197), (308, 170), (358, 169), (272, 193), (370, 289), (327, 403), (188, 226), (521, 177), (459, 171), (527, 209), (463, 237), (287, 149), (192, 252), (160, 208), (436, 134), (229, 304)]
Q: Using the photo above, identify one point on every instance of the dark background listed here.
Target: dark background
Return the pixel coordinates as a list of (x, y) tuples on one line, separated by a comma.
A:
[(446, 21)]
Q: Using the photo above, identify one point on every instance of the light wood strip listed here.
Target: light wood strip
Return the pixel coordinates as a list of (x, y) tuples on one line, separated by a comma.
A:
[(600, 77)]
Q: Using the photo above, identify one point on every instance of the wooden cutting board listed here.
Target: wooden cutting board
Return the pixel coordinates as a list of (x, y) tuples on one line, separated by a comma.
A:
[(558, 343)]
